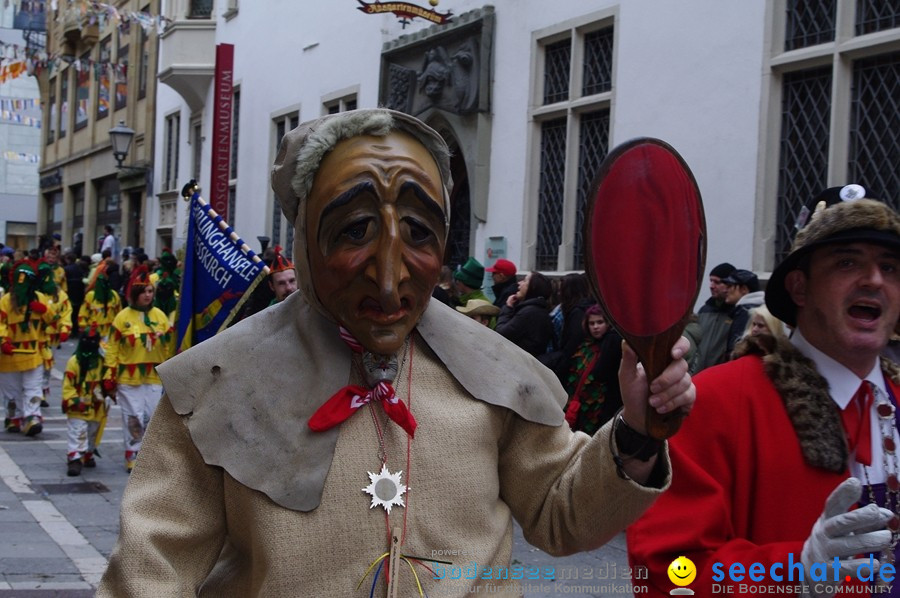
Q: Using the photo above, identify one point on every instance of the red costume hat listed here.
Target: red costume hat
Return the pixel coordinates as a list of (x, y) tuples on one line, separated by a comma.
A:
[(139, 276), (280, 263)]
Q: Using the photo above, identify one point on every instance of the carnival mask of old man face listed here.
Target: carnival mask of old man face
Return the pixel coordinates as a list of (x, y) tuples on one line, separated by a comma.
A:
[(376, 227)]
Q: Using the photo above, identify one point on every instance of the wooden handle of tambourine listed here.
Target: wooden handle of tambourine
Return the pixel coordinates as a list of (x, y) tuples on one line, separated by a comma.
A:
[(655, 355)]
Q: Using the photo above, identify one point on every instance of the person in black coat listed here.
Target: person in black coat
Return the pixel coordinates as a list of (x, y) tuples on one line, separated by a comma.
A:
[(75, 273), (525, 319), (574, 298), (503, 273)]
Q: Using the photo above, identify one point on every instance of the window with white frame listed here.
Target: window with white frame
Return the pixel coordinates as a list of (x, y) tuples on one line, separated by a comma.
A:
[(836, 74), (196, 147), (571, 116), (235, 131), (51, 117), (341, 104), (64, 101), (170, 165), (232, 205), (144, 59), (233, 174), (282, 126)]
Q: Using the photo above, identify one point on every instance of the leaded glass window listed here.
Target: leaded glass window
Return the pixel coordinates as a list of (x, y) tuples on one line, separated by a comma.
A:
[(598, 53), (557, 57), (200, 9), (550, 193), (593, 146), (576, 97), (875, 127), (876, 15), (808, 23), (803, 161)]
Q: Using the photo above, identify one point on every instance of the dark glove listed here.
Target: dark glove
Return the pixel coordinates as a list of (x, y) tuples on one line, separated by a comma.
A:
[(7, 348), (109, 386), (37, 307)]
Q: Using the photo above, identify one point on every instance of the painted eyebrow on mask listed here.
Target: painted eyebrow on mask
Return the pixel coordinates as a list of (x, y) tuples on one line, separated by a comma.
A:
[(346, 197), (367, 187), (423, 196)]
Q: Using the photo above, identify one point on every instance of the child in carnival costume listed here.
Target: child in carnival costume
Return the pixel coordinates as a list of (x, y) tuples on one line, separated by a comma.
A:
[(60, 309), (167, 279), (592, 382), (101, 303), (83, 403), (51, 257), (141, 338), (23, 318)]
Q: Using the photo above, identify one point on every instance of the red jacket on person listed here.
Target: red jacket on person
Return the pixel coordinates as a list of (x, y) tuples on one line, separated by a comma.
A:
[(742, 490)]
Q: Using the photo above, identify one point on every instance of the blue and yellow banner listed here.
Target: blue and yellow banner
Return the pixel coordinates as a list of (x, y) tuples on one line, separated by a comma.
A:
[(218, 269)]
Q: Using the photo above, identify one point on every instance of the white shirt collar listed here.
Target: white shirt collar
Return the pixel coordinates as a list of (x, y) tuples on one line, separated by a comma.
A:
[(842, 383)]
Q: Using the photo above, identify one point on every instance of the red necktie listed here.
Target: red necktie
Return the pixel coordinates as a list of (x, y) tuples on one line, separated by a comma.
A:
[(857, 423), (347, 401)]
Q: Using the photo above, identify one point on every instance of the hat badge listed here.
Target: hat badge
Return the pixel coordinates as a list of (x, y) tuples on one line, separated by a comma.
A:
[(852, 192)]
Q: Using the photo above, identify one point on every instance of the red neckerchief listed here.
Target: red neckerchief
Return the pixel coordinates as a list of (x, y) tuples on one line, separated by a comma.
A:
[(347, 401)]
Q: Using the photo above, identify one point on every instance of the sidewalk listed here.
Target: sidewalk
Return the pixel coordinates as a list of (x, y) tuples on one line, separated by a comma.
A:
[(57, 532)]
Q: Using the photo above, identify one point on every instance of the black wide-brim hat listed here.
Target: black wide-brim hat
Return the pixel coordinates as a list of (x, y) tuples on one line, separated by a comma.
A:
[(856, 221)]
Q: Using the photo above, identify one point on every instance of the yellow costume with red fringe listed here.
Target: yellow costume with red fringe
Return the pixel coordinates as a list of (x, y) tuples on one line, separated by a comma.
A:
[(59, 277), (138, 342), (26, 336), (84, 403), (141, 338), (79, 397), (60, 310), (94, 312)]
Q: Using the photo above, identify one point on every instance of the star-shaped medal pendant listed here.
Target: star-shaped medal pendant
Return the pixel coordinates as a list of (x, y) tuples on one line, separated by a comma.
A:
[(385, 489)]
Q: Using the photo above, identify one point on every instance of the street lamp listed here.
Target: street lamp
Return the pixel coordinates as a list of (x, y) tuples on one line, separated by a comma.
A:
[(121, 137)]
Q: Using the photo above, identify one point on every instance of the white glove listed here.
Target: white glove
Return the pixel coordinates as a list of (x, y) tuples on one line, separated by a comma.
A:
[(845, 534)]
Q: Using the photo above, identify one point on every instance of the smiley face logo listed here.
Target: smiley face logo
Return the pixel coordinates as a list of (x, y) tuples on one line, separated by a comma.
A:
[(682, 571)]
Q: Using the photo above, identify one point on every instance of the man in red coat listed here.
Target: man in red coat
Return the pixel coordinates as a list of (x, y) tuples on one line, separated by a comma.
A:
[(785, 442)]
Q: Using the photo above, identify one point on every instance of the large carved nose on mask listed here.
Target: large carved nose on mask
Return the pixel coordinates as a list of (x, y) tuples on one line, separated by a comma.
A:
[(389, 268)]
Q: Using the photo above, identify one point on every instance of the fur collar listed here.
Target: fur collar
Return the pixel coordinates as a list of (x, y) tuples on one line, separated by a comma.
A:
[(816, 419)]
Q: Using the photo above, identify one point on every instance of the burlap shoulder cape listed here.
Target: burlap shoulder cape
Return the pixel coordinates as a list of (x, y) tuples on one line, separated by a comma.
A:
[(250, 390)]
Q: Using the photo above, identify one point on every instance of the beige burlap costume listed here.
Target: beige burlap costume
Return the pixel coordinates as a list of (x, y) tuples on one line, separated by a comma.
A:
[(230, 454), (229, 462)]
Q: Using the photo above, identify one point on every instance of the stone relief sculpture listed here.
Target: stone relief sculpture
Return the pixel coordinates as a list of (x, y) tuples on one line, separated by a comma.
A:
[(449, 81), (443, 70), (435, 73), (465, 76)]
